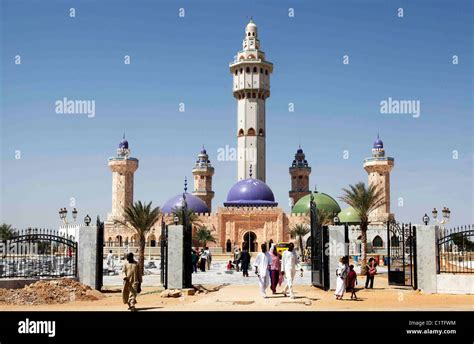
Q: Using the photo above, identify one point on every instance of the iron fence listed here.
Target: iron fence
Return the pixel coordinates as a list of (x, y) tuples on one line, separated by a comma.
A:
[(36, 253), (456, 250)]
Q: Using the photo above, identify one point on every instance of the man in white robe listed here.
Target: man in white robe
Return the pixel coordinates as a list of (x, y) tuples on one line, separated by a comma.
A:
[(262, 269), (289, 263)]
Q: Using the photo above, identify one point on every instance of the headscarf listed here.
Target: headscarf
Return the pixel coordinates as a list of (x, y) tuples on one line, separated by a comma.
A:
[(272, 248)]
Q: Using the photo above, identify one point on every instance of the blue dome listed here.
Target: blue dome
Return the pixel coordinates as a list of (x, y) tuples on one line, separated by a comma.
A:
[(123, 144), (195, 204), (378, 143), (250, 193)]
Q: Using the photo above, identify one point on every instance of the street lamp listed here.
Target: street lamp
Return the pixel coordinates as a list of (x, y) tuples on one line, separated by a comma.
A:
[(336, 220), (426, 219), (63, 215), (87, 220), (176, 220), (446, 215)]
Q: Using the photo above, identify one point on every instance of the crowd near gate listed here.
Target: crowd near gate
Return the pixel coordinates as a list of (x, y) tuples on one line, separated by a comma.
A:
[(36, 253)]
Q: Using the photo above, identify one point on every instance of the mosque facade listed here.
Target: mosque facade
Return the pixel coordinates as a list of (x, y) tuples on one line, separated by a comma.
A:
[(250, 215)]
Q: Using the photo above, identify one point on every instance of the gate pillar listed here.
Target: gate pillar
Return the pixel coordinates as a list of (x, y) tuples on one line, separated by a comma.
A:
[(88, 256)]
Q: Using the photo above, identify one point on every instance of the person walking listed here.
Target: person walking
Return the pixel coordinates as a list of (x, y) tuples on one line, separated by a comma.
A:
[(289, 263), (371, 271), (275, 268), (203, 260), (132, 280), (351, 282), (341, 278), (209, 258), (237, 254), (262, 269), (194, 260), (244, 261), (110, 261)]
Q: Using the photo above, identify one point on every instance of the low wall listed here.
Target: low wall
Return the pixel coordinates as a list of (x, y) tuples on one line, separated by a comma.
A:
[(455, 283)]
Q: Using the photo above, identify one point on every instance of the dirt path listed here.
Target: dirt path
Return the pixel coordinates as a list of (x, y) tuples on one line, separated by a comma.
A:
[(247, 298)]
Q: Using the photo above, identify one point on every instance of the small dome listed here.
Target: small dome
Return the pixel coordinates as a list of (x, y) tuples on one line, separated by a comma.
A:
[(323, 202), (123, 144), (378, 143), (195, 204), (250, 193), (299, 151), (251, 27), (349, 215)]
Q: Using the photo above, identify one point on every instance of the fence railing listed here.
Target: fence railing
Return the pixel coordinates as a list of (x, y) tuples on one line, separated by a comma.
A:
[(37, 253), (456, 250)]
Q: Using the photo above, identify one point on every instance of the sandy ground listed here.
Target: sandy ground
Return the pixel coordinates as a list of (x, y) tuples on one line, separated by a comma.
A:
[(247, 298)]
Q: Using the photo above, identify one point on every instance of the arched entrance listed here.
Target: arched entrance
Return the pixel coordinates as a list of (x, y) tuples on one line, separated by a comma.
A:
[(250, 241), (228, 246)]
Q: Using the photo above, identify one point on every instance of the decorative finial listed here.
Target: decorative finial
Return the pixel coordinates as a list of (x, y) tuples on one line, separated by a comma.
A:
[(251, 19), (299, 146), (185, 184), (124, 135), (315, 188), (250, 171)]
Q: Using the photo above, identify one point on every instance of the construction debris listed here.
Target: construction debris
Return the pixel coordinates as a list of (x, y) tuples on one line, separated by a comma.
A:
[(50, 292)]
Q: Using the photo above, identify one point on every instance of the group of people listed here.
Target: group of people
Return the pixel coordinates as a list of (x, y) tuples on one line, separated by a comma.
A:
[(271, 271), (346, 277), (202, 258)]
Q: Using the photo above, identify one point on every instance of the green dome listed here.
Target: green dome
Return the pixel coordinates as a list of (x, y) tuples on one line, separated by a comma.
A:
[(349, 215), (323, 202)]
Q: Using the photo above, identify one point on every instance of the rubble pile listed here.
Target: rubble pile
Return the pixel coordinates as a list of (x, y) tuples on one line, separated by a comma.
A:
[(50, 292)]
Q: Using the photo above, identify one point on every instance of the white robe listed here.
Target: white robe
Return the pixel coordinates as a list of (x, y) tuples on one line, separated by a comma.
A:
[(262, 263), (341, 280), (289, 263)]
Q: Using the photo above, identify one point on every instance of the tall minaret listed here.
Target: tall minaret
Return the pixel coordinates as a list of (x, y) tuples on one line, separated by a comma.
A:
[(251, 86), (123, 167), (299, 172), (203, 172), (378, 167)]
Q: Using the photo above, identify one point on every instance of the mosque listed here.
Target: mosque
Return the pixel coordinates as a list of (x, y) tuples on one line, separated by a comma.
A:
[(250, 213)]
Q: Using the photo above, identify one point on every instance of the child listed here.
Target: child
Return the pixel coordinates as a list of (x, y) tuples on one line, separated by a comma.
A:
[(230, 266), (351, 282)]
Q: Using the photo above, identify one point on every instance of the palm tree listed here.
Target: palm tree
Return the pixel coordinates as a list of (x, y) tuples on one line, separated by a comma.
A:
[(192, 218), (299, 231), (141, 218), (203, 235), (6, 232), (364, 200)]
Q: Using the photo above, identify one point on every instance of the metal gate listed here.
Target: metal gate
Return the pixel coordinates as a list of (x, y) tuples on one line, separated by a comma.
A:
[(164, 254), (401, 250), (35, 253), (319, 259), (99, 282)]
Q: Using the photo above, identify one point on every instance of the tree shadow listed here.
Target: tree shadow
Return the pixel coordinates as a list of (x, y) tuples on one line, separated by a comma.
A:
[(202, 289)]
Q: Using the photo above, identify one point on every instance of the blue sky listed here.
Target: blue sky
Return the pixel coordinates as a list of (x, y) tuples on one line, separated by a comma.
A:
[(186, 60)]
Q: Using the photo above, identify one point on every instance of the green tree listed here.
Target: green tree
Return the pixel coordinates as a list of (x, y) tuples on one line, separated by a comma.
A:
[(6, 232), (364, 200), (141, 218), (299, 231), (203, 235)]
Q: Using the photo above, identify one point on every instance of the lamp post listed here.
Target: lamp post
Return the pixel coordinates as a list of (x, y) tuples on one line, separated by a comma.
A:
[(444, 220), (63, 215), (426, 219), (87, 220)]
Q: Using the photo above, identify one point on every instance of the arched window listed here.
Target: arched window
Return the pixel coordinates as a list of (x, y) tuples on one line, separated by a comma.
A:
[(377, 242), (394, 241), (266, 71), (247, 70), (260, 132), (261, 70), (251, 132), (248, 95), (254, 95), (236, 72), (253, 34), (228, 246), (241, 132), (241, 70), (255, 69), (118, 240), (249, 34)]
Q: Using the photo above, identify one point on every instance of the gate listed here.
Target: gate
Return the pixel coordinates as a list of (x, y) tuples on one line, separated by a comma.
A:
[(164, 254), (319, 260), (35, 253), (99, 282), (401, 251), (455, 250)]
